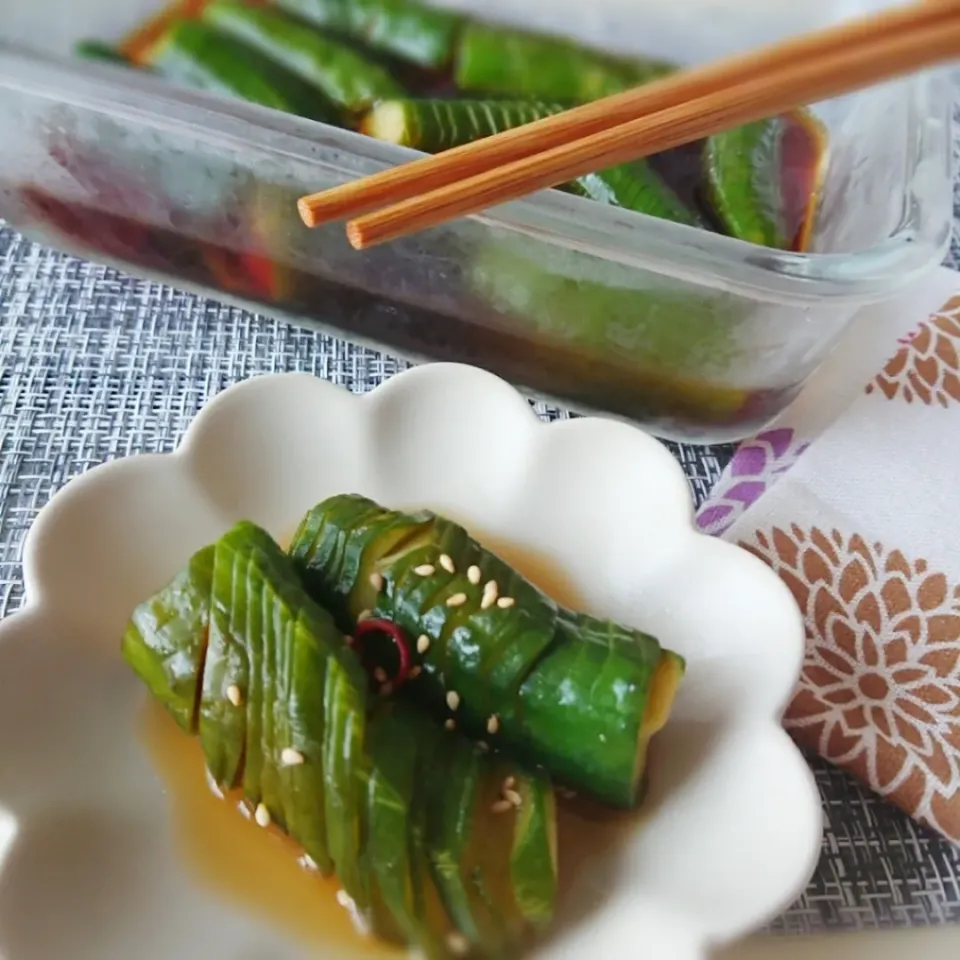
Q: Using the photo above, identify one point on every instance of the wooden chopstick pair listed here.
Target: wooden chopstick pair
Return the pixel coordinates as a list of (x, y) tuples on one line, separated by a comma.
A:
[(666, 113)]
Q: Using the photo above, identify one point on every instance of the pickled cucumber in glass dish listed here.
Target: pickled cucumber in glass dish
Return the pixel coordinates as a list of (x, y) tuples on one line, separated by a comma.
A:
[(429, 78), (615, 332)]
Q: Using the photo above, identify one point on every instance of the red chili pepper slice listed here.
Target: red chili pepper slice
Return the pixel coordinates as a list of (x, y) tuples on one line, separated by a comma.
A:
[(378, 625)]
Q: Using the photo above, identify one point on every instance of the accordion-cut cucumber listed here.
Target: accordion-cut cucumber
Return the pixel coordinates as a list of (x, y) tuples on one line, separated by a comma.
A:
[(340, 73), (497, 641), (165, 641), (434, 125), (195, 55), (401, 809), (515, 63), (437, 125), (414, 32), (764, 178)]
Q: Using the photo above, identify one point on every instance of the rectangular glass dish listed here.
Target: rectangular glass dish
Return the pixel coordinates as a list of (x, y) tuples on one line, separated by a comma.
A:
[(694, 335)]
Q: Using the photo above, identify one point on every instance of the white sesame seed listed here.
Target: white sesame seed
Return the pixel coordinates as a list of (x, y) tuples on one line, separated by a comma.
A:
[(380, 675), (509, 783), (376, 581), (513, 797), (447, 563), (234, 695), (262, 816), (504, 602), (457, 943), (502, 806), (308, 863), (473, 574), (365, 615), (423, 643), (386, 689), (451, 724), (493, 724), (425, 570), (343, 898), (456, 600), (566, 792), (489, 594), (414, 672), (453, 699), (483, 746), (290, 757)]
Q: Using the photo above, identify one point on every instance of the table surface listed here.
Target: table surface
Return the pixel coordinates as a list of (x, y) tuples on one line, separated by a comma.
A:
[(96, 365)]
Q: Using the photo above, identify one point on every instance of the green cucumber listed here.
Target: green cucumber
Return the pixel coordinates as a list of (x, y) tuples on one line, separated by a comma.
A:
[(413, 32), (344, 76), (498, 660), (656, 330), (454, 828), (438, 935), (436, 125), (516, 63), (342, 760), (103, 52), (392, 745), (404, 810), (165, 641), (195, 55), (223, 715), (763, 178), (533, 859), (636, 186)]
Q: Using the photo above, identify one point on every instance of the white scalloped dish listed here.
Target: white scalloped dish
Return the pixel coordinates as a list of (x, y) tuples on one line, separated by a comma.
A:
[(100, 859)]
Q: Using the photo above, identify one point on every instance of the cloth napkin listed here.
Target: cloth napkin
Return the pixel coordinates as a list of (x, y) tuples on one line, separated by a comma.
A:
[(852, 498)]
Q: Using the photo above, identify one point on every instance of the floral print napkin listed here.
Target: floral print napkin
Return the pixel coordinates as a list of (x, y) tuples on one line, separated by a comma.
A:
[(851, 497)]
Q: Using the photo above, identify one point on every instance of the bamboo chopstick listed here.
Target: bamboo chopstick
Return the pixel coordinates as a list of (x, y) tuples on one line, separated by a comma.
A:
[(431, 173), (763, 95)]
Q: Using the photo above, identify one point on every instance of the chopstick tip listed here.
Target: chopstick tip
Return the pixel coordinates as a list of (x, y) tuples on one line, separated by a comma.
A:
[(355, 235), (307, 213)]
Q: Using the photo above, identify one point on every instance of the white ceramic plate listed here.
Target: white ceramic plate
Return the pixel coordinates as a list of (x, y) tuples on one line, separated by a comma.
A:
[(88, 861)]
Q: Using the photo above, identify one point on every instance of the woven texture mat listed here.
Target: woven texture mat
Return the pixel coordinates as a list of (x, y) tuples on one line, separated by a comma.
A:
[(95, 365)]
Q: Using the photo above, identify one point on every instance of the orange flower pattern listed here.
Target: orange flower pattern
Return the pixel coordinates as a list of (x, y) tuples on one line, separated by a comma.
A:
[(927, 367), (880, 691)]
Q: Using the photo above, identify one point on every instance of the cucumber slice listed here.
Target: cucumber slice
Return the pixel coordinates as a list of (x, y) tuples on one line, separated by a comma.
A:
[(165, 641), (764, 178), (103, 52), (414, 32), (392, 746), (636, 186), (679, 343), (342, 761), (437, 933), (340, 73), (437, 125), (434, 125), (507, 662), (195, 55), (516, 63), (533, 860), (223, 711), (453, 812)]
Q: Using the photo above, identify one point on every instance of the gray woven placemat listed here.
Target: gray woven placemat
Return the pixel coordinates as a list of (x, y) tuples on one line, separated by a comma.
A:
[(96, 365)]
